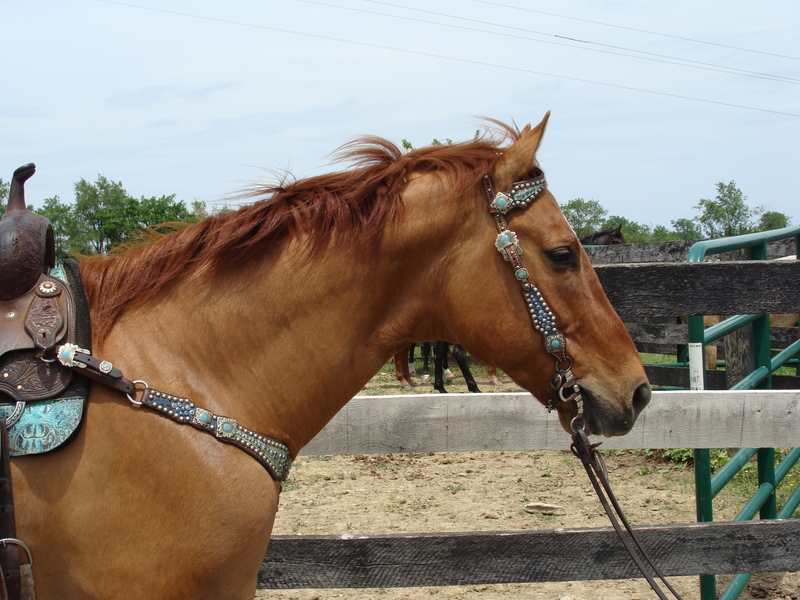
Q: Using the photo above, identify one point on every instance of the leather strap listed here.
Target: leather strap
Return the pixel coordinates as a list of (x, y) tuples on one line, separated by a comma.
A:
[(563, 384), (598, 475), (273, 455), (9, 552), (71, 355)]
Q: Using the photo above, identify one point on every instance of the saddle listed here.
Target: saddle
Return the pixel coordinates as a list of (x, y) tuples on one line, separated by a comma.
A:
[(38, 312), (41, 401)]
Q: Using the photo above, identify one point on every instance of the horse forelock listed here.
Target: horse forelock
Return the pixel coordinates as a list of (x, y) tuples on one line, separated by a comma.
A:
[(356, 203)]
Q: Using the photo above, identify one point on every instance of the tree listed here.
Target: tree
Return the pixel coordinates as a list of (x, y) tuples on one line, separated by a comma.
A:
[(106, 212), (164, 209), (585, 216), (662, 234), (4, 189), (66, 230), (728, 214), (773, 220), (686, 229)]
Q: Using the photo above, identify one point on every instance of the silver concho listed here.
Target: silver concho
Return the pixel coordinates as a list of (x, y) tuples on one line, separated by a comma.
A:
[(505, 239)]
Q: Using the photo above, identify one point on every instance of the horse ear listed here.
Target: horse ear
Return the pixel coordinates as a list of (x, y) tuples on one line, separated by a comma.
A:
[(519, 158)]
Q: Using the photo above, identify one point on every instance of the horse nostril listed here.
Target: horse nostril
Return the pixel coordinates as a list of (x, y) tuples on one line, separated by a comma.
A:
[(641, 398)]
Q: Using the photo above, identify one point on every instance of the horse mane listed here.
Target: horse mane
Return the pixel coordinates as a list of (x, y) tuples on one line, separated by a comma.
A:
[(355, 204)]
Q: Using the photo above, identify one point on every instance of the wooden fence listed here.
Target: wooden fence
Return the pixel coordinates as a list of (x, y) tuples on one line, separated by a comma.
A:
[(649, 298), (516, 421)]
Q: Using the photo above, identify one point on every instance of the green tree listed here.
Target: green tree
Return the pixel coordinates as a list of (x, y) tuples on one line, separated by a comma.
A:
[(164, 209), (773, 220), (686, 229), (727, 214), (4, 189), (104, 215), (66, 229), (105, 211), (662, 234), (585, 216)]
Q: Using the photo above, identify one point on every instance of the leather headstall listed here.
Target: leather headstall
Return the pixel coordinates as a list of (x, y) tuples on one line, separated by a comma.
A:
[(564, 387)]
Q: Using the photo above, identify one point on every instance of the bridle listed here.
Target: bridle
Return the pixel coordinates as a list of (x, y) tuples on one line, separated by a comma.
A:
[(564, 387)]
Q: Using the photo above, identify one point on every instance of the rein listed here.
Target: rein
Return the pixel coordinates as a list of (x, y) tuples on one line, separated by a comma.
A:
[(564, 387)]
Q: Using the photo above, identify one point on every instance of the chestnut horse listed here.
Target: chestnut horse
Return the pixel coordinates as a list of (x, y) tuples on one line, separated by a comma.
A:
[(141, 506)]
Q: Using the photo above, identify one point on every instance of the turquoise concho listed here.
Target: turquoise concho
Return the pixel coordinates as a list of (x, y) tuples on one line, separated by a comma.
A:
[(555, 343)]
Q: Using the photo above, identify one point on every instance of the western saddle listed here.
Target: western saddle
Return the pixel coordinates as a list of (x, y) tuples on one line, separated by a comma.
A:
[(37, 313)]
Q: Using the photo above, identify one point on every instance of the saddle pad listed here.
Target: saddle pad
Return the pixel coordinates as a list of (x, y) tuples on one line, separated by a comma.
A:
[(44, 425)]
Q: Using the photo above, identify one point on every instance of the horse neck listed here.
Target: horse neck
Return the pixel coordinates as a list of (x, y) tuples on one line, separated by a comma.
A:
[(281, 344)]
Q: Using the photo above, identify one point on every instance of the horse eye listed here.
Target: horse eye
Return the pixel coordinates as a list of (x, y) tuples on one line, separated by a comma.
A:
[(563, 257)]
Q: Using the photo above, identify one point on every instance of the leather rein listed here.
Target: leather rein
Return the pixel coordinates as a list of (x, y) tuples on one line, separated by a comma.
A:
[(564, 387)]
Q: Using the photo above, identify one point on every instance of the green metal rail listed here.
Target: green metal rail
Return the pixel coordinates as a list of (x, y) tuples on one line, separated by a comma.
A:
[(764, 502)]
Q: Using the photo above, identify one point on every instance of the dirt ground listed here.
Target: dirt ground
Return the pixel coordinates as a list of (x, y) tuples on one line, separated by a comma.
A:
[(490, 491)]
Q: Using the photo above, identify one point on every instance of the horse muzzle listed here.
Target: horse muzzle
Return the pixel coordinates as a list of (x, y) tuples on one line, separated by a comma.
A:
[(601, 417)]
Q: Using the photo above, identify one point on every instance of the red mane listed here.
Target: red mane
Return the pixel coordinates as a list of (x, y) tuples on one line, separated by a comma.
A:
[(355, 203)]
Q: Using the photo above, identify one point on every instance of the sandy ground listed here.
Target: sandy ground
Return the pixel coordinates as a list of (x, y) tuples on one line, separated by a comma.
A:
[(489, 491)]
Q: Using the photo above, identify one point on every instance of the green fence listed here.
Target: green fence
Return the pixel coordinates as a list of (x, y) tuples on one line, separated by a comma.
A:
[(770, 475)]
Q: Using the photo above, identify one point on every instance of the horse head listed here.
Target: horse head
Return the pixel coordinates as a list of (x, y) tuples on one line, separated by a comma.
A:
[(491, 315)]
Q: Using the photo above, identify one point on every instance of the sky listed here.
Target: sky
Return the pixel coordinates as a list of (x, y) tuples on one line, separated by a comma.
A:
[(653, 101)]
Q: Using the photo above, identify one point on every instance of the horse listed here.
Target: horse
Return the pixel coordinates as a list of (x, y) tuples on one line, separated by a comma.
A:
[(139, 504), (608, 237), (404, 368)]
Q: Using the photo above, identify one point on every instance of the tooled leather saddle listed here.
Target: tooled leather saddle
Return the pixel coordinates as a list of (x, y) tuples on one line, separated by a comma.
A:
[(41, 307), (39, 310)]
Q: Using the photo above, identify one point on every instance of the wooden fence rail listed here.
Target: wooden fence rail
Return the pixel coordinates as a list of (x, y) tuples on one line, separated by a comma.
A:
[(516, 421), (382, 561)]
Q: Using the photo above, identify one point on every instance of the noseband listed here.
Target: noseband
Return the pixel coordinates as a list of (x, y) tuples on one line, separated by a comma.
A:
[(564, 387)]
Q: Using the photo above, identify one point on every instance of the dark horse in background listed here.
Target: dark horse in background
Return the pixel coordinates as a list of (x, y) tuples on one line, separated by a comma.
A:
[(608, 237), (404, 361)]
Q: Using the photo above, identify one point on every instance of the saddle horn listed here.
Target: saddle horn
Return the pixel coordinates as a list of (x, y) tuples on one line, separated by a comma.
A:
[(16, 196), (27, 243)]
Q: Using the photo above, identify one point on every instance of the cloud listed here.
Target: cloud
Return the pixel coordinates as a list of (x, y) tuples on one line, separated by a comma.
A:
[(157, 95)]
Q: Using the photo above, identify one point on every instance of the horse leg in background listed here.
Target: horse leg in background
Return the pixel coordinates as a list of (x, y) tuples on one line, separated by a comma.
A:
[(425, 350), (401, 369), (411, 369), (491, 373), (461, 358), (439, 363)]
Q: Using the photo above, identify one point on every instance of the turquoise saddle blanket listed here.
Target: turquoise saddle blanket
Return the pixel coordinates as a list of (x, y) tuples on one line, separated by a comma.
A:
[(43, 426)]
